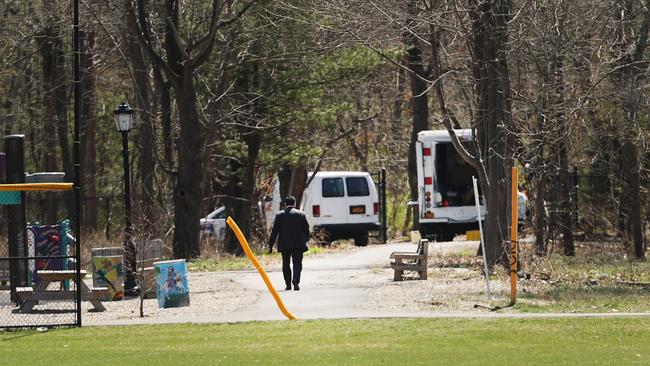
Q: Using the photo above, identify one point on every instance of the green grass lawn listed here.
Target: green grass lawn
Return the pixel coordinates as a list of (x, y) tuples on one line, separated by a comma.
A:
[(568, 341)]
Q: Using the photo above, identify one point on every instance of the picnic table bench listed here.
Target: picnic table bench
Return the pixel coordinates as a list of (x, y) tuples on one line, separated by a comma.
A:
[(31, 296), (411, 261)]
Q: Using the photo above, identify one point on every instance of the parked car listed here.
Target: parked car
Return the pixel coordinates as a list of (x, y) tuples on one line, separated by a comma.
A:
[(214, 224)]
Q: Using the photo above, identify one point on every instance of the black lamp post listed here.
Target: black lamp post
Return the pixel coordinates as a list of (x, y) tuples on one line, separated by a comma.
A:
[(124, 121)]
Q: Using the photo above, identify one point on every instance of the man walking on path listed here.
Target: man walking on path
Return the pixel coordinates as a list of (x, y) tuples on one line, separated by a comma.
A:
[(292, 230)]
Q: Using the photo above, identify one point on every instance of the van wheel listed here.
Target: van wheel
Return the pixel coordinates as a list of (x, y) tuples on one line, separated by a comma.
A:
[(323, 238), (361, 241)]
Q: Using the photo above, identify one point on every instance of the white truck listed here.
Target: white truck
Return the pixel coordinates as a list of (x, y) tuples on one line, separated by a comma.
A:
[(446, 205)]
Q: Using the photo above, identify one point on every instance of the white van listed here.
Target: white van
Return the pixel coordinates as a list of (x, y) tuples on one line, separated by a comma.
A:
[(342, 205)]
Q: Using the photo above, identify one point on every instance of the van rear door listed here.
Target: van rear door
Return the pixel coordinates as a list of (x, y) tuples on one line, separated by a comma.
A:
[(360, 192), (429, 179), (333, 200)]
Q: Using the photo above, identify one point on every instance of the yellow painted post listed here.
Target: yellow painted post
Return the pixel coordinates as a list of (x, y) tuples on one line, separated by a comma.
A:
[(513, 236), (251, 257)]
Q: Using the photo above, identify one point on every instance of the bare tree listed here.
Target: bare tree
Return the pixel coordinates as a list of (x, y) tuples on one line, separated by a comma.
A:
[(183, 57), (629, 75)]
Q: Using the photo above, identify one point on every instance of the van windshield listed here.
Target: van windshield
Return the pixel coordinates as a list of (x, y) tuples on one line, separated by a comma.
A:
[(357, 186), (333, 187)]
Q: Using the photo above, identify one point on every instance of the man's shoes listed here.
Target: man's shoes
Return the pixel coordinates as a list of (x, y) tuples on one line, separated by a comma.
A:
[(296, 287), (288, 288)]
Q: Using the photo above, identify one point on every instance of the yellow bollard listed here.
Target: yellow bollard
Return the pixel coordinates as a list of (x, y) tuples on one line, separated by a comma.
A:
[(258, 266), (513, 235)]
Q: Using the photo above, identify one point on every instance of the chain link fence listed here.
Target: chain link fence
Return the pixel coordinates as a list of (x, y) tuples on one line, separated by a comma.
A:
[(40, 284)]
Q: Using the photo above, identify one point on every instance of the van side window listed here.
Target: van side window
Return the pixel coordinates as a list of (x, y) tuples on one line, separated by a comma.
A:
[(333, 187), (357, 186)]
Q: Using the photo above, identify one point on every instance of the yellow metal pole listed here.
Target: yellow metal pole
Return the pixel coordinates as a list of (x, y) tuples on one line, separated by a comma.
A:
[(35, 187), (513, 236), (251, 257)]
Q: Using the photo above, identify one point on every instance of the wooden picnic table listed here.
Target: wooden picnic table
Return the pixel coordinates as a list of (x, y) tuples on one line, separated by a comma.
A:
[(32, 296)]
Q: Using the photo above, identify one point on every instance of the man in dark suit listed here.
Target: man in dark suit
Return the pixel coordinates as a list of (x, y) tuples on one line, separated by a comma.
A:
[(292, 230)]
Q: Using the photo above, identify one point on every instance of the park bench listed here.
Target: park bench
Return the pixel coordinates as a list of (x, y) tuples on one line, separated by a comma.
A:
[(411, 261)]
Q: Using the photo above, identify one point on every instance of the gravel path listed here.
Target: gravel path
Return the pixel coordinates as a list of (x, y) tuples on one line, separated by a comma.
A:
[(210, 294)]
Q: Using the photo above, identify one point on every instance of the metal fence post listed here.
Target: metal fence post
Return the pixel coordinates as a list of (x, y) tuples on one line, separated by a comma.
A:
[(384, 223), (16, 215)]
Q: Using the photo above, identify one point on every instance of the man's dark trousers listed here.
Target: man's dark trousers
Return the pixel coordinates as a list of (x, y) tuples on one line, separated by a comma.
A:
[(287, 256)]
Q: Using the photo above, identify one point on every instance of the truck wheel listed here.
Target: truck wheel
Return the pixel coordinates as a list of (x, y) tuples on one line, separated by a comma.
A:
[(361, 241), (447, 236)]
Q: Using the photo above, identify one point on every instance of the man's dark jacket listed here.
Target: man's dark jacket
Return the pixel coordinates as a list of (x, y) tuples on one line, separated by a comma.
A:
[(291, 229)]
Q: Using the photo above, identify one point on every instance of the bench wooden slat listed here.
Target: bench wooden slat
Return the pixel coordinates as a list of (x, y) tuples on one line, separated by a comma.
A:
[(408, 256), (395, 254)]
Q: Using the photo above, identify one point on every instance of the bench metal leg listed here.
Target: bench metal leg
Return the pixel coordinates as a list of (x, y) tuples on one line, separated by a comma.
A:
[(398, 275)]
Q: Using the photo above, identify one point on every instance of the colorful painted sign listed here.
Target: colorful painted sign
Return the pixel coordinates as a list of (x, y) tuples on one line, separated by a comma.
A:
[(109, 272), (172, 287)]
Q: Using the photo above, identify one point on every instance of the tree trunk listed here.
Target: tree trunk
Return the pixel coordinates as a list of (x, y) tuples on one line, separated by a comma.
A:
[(242, 203), (564, 219), (419, 100), (293, 179), (187, 192), (55, 111), (165, 102), (632, 186), (145, 131), (88, 131), (540, 216), (492, 91), (630, 77)]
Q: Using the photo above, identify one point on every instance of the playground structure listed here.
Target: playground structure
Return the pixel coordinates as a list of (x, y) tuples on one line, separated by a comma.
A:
[(39, 270)]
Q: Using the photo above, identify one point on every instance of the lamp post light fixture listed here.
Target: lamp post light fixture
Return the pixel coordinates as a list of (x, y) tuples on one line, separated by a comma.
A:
[(124, 122)]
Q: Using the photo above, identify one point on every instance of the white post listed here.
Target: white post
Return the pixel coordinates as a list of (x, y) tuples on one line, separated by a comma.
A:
[(480, 227)]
